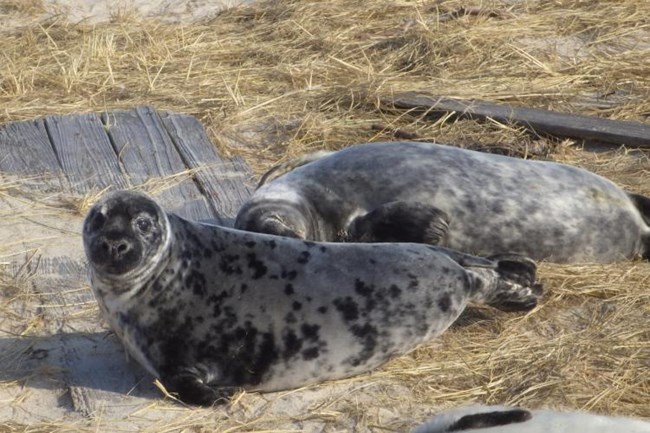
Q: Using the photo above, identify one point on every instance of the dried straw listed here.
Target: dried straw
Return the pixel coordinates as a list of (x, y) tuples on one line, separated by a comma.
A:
[(278, 79)]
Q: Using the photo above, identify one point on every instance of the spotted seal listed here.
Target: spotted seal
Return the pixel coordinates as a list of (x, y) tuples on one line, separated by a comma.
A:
[(470, 201), (503, 419), (210, 310)]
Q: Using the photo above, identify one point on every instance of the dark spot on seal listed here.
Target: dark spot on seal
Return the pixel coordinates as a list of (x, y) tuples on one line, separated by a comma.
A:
[(207, 253), (497, 207), (311, 353), (444, 302), (348, 307), (296, 305), (310, 332), (323, 249), (304, 257), (414, 283), (243, 288), (372, 261), (272, 244), (290, 275), (490, 419), (250, 244), (288, 289), (292, 344), (217, 299), (362, 289), (394, 291), (290, 318), (197, 282), (367, 335), (322, 309), (259, 269), (228, 264)]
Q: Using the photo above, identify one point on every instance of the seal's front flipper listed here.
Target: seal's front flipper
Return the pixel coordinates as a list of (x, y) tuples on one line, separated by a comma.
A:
[(511, 286), (193, 387), (400, 221)]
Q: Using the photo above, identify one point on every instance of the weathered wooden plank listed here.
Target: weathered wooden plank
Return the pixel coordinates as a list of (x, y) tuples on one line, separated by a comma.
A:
[(85, 152), (147, 153), (25, 148), (225, 182), (541, 121)]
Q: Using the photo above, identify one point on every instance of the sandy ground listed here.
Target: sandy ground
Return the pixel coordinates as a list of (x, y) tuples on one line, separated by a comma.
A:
[(19, 13)]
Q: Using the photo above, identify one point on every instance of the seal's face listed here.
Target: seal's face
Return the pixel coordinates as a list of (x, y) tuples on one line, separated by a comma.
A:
[(121, 233)]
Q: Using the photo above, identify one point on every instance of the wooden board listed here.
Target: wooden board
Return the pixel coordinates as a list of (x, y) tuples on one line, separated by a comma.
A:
[(617, 132), (224, 182), (25, 149), (147, 153), (85, 152)]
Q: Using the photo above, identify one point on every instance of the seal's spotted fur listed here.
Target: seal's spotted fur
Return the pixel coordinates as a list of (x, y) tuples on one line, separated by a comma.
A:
[(470, 201), (210, 309)]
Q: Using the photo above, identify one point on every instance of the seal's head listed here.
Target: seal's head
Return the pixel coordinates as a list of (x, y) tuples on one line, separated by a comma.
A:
[(282, 212), (125, 234)]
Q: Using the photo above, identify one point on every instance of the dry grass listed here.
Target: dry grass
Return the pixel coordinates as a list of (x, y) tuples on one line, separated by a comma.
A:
[(276, 80), (299, 76)]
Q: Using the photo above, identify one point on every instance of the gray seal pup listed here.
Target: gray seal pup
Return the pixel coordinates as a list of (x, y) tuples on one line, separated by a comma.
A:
[(503, 419), (469, 201), (210, 310)]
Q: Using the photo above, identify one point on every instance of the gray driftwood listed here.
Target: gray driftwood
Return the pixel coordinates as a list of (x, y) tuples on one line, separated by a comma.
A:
[(635, 134)]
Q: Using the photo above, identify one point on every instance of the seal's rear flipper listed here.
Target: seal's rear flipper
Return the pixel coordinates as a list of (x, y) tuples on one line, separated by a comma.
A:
[(643, 204), (511, 286), (490, 419), (515, 268), (400, 221), (475, 418)]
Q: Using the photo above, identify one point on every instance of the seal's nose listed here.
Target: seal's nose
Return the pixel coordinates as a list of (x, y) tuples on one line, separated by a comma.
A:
[(114, 249)]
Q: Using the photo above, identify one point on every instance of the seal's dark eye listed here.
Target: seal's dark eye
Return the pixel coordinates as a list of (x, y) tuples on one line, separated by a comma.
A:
[(144, 225), (97, 220)]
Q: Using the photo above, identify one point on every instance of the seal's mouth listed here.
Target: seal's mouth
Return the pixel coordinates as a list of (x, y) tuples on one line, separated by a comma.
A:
[(114, 253)]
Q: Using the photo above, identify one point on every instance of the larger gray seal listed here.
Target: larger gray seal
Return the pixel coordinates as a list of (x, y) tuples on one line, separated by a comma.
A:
[(210, 310), (470, 201)]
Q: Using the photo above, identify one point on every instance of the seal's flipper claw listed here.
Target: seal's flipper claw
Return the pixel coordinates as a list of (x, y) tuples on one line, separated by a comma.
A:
[(510, 286), (400, 221), (193, 389)]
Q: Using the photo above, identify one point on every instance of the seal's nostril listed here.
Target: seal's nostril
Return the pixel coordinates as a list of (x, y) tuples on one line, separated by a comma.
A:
[(122, 247)]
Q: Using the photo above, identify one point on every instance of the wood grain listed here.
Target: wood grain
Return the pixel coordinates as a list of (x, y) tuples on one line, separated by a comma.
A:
[(85, 152), (147, 154)]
